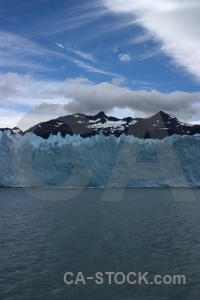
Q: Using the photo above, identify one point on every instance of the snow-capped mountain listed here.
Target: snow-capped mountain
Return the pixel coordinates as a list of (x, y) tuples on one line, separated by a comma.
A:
[(158, 126)]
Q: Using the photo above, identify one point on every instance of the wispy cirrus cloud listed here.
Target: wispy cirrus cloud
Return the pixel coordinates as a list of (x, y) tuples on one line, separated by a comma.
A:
[(84, 65), (139, 39), (174, 24), (87, 56), (84, 55), (60, 45), (17, 51), (92, 69), (18, 45), (71, 17)]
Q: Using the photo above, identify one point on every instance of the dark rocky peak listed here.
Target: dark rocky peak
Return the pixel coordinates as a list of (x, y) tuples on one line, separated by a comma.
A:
[(162, 118), (161, 115), (101, 114), (13, 130)]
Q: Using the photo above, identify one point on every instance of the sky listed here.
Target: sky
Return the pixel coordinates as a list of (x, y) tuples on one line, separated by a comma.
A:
[(126, 58)]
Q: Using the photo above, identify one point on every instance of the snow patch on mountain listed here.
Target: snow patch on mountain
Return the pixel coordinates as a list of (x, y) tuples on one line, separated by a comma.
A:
[(113, 124)]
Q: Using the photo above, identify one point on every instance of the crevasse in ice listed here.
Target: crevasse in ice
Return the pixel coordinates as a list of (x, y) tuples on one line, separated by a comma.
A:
[(99, 161)]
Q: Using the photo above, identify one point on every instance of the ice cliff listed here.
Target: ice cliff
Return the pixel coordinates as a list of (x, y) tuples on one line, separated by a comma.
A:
[(98, 161)]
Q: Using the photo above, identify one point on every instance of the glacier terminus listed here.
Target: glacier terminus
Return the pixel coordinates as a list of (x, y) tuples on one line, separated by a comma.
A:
[(98, 161)]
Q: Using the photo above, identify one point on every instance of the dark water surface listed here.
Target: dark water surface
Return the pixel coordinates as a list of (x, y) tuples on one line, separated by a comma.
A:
[(151, 230)]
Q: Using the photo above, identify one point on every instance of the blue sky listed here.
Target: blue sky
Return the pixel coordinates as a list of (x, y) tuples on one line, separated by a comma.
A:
[(124, 57)]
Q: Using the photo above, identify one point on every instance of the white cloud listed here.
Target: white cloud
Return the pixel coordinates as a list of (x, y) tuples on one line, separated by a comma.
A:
[(54, 98), (24, 120), (174, 23), (195, 122), (10, 83), (124, 57), (9, 118), (106, 96), (118, 80), (26, 90), (78, 81)]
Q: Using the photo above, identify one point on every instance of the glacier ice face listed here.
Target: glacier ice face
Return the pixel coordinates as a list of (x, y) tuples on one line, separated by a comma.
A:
[(99, 161)]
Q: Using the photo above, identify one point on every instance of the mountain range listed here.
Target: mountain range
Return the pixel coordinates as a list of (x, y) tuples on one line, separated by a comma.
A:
[(158, 126)]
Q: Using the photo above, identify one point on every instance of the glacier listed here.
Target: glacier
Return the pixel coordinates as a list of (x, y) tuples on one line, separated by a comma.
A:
[(98, 161)]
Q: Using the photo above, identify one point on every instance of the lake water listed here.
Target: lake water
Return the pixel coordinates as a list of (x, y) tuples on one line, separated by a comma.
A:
[(45, 233)]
